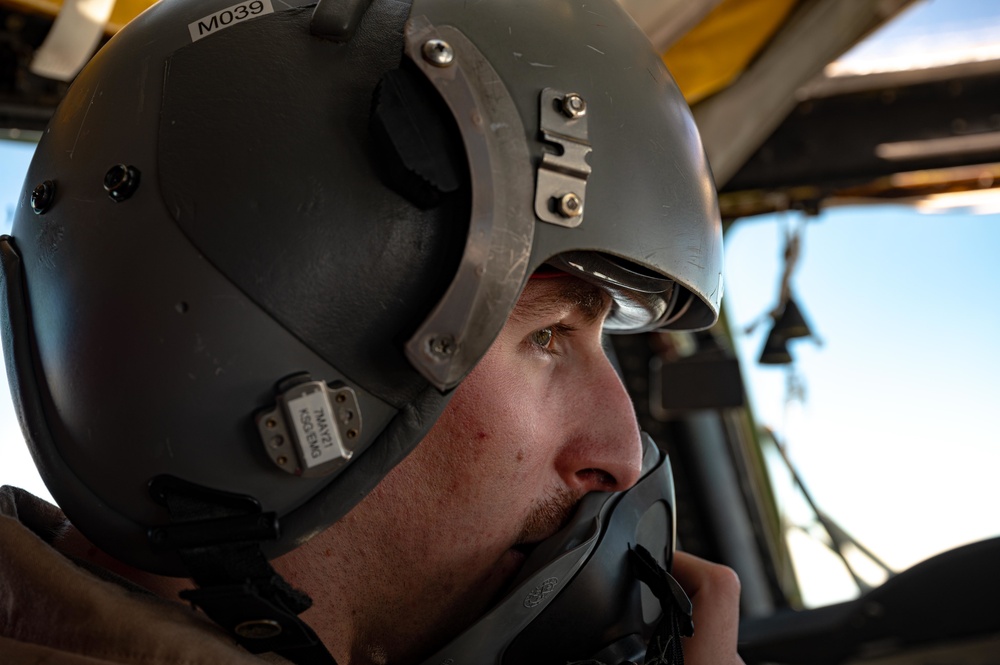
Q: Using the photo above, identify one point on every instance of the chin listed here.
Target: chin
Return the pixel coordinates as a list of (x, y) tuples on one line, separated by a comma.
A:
[(507, 568)]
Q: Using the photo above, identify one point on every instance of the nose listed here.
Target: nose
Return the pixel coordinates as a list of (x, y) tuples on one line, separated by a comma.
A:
[(604, 450)]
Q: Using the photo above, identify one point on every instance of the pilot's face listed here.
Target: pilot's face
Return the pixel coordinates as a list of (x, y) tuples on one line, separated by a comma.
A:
[(542, 420)]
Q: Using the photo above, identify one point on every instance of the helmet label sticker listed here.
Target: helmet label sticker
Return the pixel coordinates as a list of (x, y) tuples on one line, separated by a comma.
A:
[(315, 424), (212, 23)]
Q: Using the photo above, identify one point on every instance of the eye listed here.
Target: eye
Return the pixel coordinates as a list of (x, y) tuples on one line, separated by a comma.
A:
[(542, 337)]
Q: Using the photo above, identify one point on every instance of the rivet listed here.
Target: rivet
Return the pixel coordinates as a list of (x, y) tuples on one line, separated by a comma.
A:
[(569, 205), (277, 442), (258, 629), (573, 105), (352, 434), (270, 423), (341, 398), (121, 181), (438, 52), (282, 460), (42, 196)]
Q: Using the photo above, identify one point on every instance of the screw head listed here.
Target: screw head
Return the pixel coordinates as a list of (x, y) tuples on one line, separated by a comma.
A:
[(569, 205), (42, 197), (438, 52), (121, 181), (442, 346), (573, 106)]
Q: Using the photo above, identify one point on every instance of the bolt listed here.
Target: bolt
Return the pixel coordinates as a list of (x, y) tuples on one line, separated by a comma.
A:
[(574, 106), (570, 205), (121, 181), (42, 196), (438, 52)]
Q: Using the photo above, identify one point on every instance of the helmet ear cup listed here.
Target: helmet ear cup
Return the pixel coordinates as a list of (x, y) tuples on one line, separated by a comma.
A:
[(417, 148)]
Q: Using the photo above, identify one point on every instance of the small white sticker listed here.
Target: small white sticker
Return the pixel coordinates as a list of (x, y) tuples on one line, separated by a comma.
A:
[(229, 16), (317, 431)]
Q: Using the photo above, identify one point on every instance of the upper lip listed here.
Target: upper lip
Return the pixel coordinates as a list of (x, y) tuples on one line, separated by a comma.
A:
[(528, 542)]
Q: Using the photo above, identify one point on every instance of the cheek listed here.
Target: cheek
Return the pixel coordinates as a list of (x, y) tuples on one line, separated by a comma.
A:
[(490, 404), (490, 448)]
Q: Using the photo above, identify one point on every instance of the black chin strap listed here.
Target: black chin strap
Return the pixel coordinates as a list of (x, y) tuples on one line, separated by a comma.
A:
[(217, 535)]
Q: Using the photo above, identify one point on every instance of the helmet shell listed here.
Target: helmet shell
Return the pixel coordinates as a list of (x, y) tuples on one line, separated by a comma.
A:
[(261, 242)]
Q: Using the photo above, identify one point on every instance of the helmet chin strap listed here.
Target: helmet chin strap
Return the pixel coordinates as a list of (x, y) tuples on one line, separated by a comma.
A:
[(217, 535)]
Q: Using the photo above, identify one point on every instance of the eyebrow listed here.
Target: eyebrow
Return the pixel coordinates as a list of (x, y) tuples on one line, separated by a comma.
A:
[(590, 300)]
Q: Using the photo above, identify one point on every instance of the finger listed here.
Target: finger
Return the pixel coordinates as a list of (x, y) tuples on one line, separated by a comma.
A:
[(715, 593)]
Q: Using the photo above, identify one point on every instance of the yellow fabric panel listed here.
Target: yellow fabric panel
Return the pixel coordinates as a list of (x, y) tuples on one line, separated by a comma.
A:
[(715, 51), (123, 12)]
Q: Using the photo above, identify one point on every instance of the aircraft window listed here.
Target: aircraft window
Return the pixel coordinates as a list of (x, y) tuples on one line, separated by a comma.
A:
[(887, 412), (927, 34)]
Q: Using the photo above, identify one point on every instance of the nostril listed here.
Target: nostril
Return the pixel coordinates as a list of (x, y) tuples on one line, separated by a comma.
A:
[(598, 479)]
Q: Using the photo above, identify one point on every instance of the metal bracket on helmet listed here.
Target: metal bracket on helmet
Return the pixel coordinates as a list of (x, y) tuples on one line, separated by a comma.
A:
[(313, 429), (495, 263), (562, 178)]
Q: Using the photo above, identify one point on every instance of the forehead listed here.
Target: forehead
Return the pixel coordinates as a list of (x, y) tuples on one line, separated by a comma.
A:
[(560, 294)]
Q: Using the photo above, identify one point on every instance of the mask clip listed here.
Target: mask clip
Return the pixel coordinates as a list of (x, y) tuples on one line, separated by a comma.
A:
[(561, 187)]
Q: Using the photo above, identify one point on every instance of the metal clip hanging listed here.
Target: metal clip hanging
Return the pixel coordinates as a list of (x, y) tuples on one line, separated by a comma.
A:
[(560, 191)]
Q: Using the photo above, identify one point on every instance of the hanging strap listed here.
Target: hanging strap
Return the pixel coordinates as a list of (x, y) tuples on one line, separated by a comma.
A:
[(665, 645), (217, 535)]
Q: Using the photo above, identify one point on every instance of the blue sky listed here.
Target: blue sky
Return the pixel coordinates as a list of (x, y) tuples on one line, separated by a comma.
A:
[(896, 435), (14, 158)]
